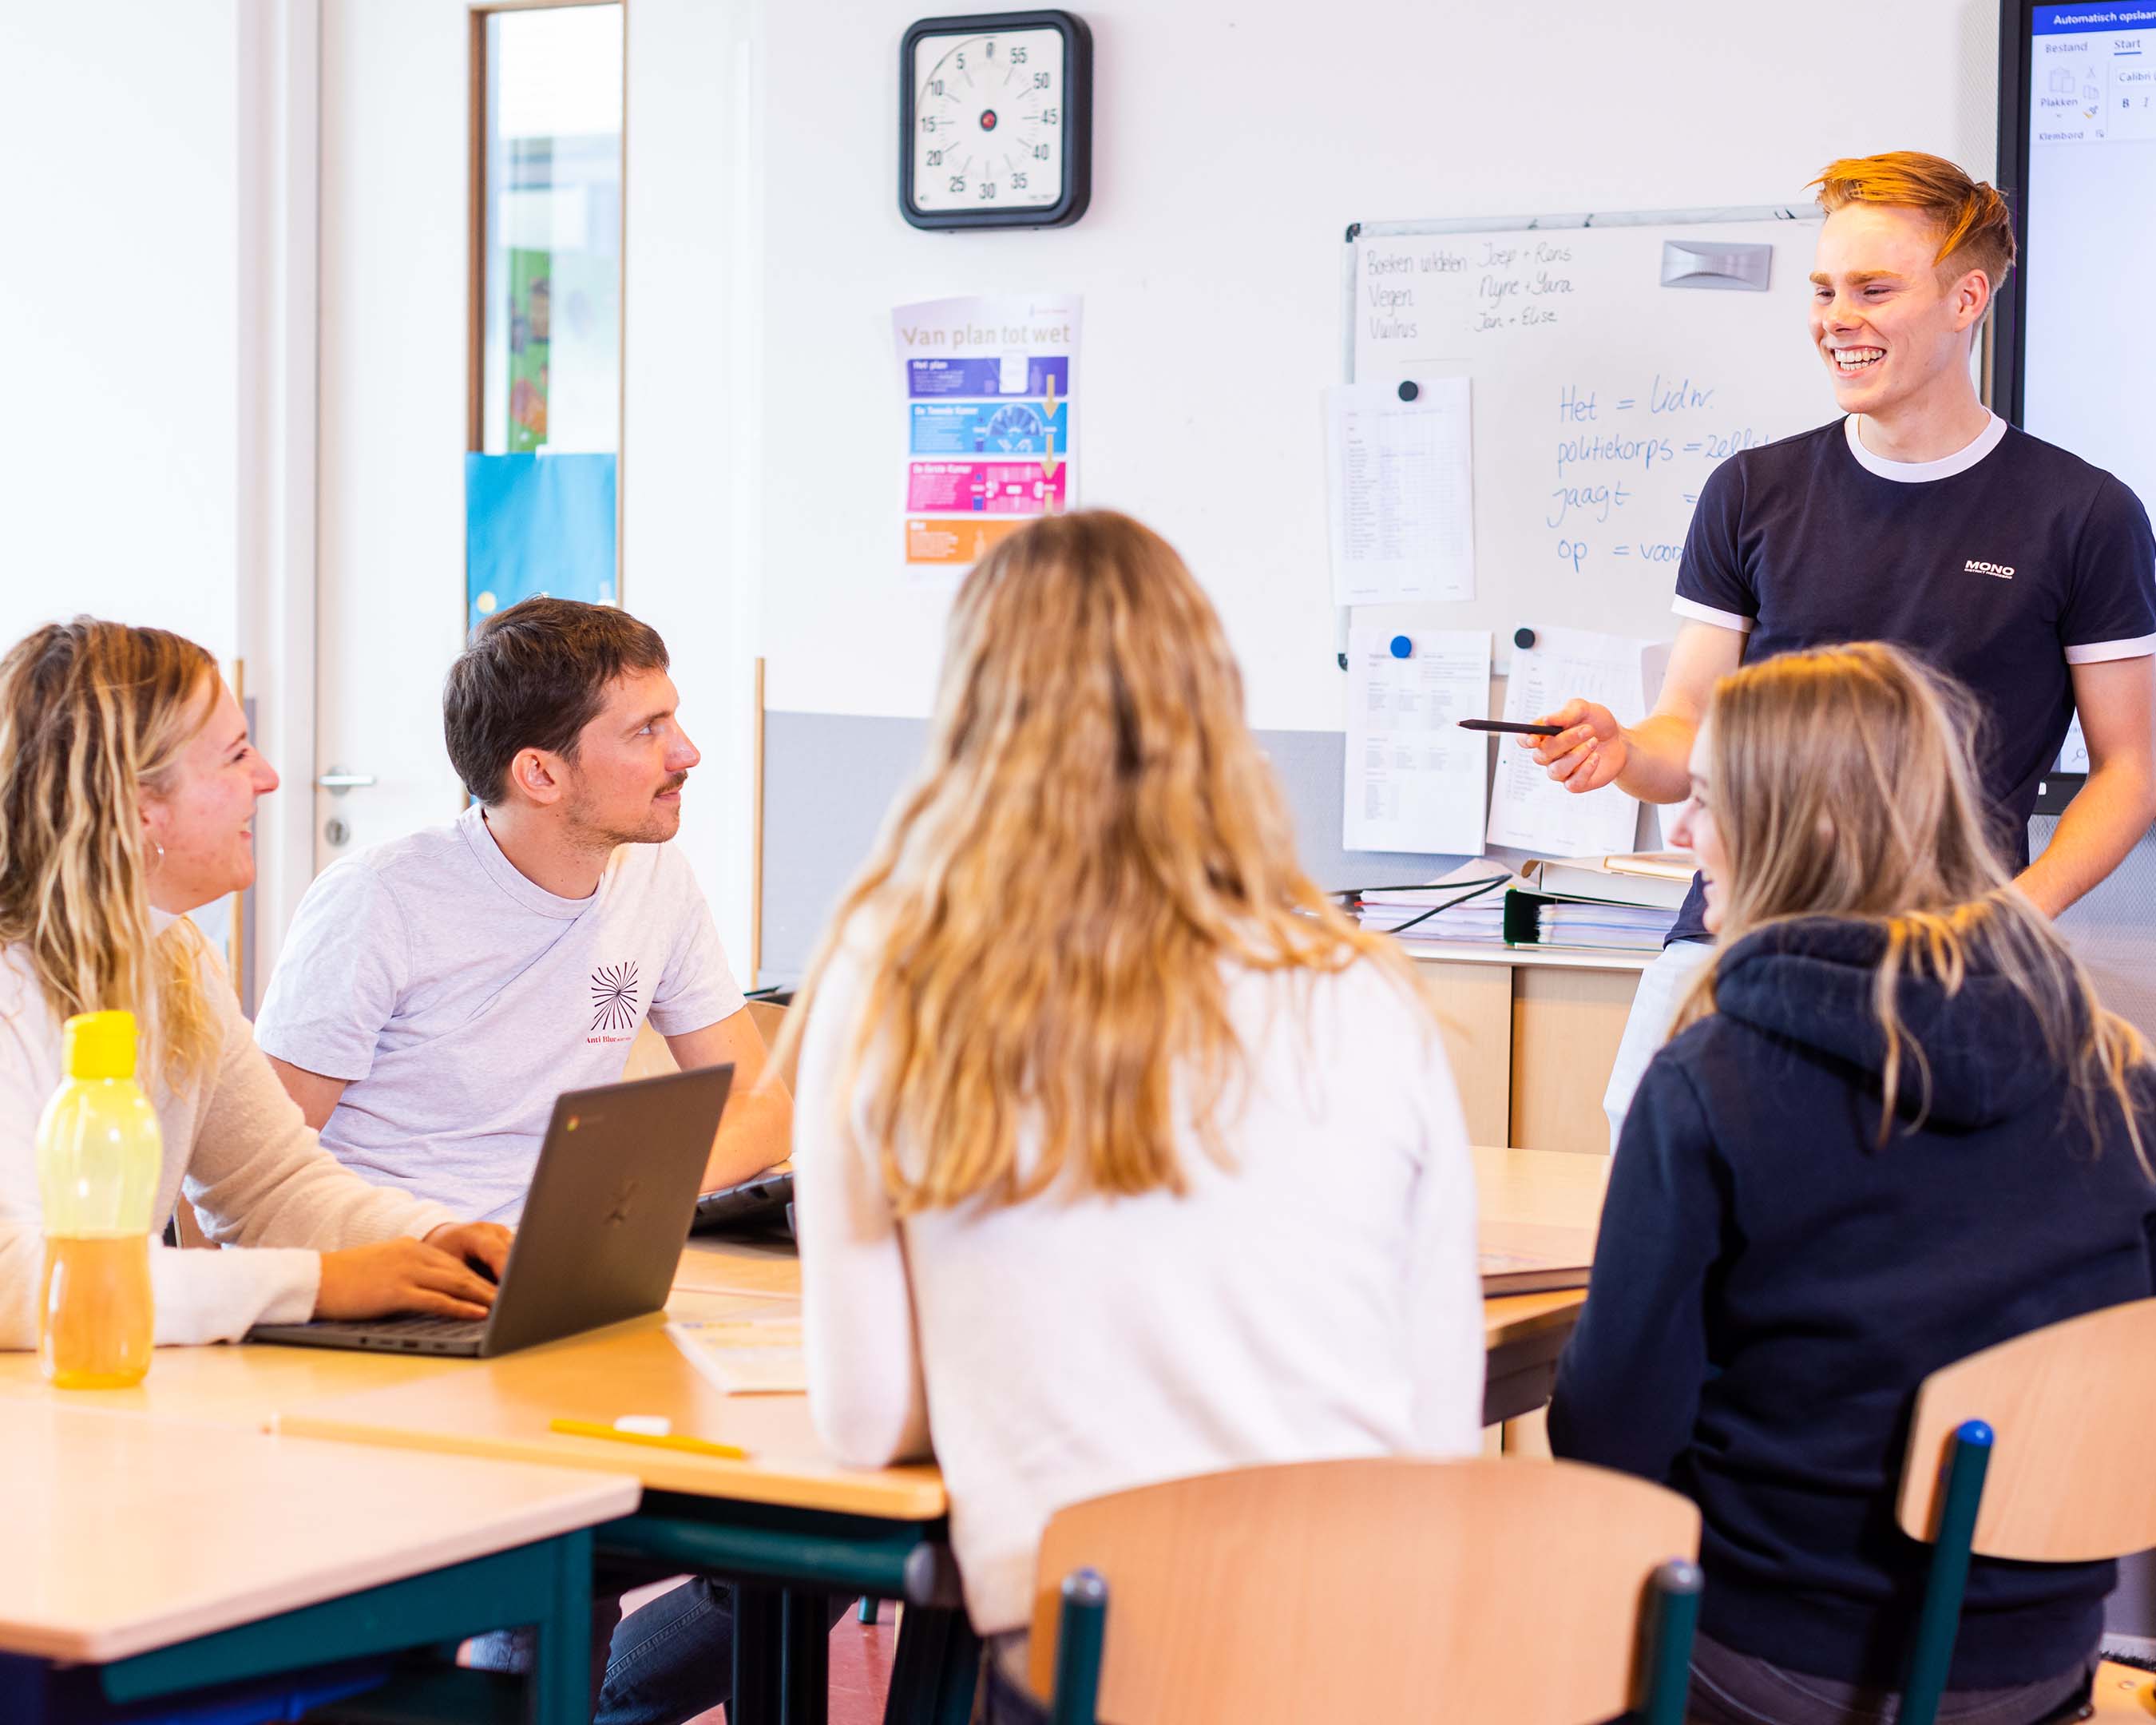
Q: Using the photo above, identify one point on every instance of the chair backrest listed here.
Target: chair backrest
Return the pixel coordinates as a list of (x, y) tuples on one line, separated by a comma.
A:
[(649, 1056), (1375, 1590), (2072, 1410)]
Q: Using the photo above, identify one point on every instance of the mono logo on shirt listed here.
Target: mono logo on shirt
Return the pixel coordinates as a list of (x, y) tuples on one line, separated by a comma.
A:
[(2005, 572), (613, 998)]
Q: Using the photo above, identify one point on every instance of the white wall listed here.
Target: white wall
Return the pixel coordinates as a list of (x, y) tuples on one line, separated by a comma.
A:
[(692, 342), (119, 408), (1232, 144)]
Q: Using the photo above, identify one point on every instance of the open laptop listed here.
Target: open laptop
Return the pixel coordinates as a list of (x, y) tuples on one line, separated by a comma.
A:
[(604, 1223)]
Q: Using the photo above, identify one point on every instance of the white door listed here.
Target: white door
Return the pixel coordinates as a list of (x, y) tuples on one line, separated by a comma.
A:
[(396, 224), (402, 399), (389, 594)]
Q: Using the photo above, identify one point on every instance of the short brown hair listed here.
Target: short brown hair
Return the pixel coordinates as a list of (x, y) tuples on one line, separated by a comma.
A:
[(532, 678), (1972, 216)]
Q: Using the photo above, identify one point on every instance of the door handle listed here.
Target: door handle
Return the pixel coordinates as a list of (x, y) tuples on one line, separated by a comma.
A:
[(337, 781)]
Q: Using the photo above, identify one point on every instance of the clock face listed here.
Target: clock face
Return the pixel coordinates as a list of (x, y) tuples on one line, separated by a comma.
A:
[(995, 120)]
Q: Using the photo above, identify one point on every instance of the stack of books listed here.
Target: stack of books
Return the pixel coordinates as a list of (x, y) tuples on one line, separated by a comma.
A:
[(1619, 904), (1467, 905), (1624, 904)]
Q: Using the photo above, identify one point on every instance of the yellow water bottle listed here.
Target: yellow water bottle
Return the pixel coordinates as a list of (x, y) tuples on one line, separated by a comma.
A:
[(100, 1152)]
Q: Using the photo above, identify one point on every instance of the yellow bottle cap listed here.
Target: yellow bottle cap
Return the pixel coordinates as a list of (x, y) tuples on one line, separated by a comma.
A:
[(100, 1045)]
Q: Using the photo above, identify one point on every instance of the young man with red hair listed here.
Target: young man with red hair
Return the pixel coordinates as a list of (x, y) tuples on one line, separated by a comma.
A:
[(1920, 518)]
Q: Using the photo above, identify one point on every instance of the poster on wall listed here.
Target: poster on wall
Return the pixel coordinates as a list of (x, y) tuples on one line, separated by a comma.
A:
[(537, 524), (988, 387)]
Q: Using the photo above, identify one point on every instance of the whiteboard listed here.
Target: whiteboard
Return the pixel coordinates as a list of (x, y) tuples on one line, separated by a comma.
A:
[(1600, 399)]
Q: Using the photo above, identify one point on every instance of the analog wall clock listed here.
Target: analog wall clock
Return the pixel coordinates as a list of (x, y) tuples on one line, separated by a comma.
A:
[(995, 118)]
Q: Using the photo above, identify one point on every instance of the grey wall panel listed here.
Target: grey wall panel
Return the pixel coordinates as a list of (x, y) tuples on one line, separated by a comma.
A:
[(827, 780), (2114, 930)]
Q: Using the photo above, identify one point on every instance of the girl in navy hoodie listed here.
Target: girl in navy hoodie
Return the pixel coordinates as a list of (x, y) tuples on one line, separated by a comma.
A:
[(1894, 1127)]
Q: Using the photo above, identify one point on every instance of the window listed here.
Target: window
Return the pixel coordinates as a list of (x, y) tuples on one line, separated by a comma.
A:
[(540, 487)]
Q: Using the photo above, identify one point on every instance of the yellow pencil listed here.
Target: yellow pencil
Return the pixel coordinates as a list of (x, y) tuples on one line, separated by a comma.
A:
[(695, 1446)]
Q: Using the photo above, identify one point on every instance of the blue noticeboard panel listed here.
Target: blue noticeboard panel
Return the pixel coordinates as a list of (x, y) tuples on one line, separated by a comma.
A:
[(537, 524)]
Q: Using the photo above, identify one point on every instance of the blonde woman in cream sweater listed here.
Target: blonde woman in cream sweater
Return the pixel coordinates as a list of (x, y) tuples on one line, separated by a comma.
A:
[(127, 792), (1122, 1154)]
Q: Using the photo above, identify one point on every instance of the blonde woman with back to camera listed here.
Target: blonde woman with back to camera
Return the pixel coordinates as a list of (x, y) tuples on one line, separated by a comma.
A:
[(1127, 1155), (127, 793), (1896, 1126)]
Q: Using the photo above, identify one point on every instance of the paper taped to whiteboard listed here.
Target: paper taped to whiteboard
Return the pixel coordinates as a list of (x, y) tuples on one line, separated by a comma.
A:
[(1531, 811), (1414, 780), (1399, 479)]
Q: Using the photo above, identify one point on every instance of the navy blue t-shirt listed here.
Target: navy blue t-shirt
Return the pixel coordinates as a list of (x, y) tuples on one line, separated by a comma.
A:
[(2003, 566)]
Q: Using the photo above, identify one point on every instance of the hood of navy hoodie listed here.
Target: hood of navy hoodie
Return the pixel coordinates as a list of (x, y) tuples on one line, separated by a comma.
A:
[(1810, 981)]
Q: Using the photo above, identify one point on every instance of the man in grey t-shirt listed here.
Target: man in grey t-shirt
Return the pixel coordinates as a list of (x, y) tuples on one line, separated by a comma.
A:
[(435, 995)]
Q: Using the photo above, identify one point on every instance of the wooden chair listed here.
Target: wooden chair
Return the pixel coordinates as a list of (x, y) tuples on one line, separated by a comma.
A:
[(2037, 1451), (1538, 1592), (649, 1057)]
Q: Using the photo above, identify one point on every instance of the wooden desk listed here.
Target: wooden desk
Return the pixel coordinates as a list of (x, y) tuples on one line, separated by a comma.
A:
[(789, 1523), (241, 1387), (503, 1407), (278, 1556), (1547, 1202), (788, 1527)]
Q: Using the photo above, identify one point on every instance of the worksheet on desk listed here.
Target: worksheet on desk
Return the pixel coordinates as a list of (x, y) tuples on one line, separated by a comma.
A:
[(1530, 810), (1414, 780)]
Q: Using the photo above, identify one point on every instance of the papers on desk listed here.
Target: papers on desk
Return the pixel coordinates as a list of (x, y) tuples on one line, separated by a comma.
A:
[(745, 1356), (1531, 811), (1400, 485), (1414, 779)]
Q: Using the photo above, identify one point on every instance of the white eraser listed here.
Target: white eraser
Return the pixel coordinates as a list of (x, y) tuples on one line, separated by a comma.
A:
[(645, 1425)]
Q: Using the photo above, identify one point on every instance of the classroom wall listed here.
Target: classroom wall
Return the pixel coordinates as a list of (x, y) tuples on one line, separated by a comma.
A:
[(1233, 144), (692, 346), (119, 414)]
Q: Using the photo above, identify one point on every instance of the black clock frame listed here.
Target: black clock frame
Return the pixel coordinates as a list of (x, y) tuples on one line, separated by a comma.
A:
[(1077, 122)]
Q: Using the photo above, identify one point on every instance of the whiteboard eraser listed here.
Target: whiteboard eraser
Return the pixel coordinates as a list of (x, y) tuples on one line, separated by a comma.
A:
[(1701, 263)]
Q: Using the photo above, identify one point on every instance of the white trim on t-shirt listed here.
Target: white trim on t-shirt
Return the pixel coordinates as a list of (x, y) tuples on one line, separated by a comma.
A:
[(1707, 613), (1918, 473), (2099, 652)]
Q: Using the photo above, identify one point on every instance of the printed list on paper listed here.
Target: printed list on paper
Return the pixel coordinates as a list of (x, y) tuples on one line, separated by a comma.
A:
[(1400, 477), (1530, 810), (1414, 780)]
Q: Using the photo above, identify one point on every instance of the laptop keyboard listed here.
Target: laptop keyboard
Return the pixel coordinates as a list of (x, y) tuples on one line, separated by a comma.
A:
[(446, 1329)]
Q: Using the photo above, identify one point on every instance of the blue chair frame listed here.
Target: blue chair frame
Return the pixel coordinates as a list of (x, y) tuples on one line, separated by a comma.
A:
[(1938, 1622)]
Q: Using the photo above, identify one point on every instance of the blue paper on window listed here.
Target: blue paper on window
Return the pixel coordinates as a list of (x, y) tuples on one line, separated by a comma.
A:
[(537, 524)]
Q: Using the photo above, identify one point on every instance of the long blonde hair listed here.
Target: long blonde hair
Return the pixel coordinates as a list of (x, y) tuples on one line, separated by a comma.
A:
[(91, 715), (1841, 785), (1048, 908)]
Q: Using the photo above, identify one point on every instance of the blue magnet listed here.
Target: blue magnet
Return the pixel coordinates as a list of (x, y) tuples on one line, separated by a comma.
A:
[(1403, 648)]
